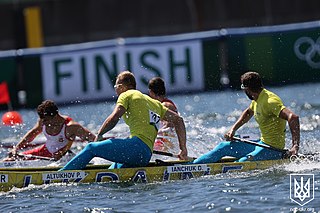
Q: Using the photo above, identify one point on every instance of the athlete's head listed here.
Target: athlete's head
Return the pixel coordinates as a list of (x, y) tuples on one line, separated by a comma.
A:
[(47, 109), (156, 85), (251, 80), (126, 79)]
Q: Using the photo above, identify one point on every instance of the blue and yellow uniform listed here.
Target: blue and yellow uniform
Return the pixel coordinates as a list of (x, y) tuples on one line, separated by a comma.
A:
[(266, 113), (266, 110), (143, 116)]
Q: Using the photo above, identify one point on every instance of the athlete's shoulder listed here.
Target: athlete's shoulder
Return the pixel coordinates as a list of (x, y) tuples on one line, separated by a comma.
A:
[(272, 97), (170, 104), (270, 93), (67, 120), (129, 94), (73, 127)]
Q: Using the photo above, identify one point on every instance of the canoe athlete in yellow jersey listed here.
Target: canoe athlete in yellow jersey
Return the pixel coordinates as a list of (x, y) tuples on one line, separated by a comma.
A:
[(271, 116), (142, 114)]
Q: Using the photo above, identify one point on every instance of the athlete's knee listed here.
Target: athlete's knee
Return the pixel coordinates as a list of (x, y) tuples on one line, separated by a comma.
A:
[(222, 145), (90, 148)]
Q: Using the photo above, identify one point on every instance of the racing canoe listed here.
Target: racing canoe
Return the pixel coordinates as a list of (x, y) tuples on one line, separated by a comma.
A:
[(154, 172)]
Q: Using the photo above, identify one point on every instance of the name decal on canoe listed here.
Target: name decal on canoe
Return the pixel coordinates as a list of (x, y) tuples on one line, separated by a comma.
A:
[(3, 178), (63, 176), (187, 168)]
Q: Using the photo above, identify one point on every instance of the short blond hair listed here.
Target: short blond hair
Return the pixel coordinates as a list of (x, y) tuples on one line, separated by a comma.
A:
[(127, 78)]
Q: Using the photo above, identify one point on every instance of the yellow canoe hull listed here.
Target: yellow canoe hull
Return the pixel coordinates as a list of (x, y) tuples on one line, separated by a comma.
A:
[(174, 170)]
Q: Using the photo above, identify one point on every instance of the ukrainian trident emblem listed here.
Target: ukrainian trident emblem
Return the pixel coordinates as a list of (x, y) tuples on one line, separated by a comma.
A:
[(302, 188)]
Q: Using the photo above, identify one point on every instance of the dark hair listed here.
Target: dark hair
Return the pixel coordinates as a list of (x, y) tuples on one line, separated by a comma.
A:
[(157, 86), (127, 78), (252, 80), (47, 108)]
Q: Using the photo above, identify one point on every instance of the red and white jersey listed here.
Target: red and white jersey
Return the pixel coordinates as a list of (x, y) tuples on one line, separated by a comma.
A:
[(164, 130), (56, 142)]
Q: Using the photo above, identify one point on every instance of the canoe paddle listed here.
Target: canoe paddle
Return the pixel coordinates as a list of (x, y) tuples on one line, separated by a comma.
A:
[(170, 154), (36, 157), (284, 151), (11, 144)]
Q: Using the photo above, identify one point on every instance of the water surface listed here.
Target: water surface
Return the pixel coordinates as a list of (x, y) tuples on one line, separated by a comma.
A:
[(208, 116)]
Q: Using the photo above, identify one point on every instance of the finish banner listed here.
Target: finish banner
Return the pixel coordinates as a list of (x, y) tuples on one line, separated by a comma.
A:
[(89, 74)]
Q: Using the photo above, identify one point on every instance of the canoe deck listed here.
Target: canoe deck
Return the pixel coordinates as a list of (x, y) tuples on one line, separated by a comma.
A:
[(154, 172)]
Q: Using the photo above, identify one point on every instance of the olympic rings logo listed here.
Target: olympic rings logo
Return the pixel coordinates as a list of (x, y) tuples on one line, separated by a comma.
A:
[(302, 158), (308, 50)]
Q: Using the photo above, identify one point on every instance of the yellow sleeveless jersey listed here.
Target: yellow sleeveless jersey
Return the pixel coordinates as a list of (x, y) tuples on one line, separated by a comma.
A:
[(142, 115), (266, 112)]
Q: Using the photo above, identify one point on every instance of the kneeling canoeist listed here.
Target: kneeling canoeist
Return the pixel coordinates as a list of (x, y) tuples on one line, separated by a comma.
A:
[(60, 132), (142, 114), (271, 116), (166, 133)]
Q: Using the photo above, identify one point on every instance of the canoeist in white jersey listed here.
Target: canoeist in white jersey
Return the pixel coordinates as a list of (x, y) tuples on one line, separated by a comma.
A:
[(59, 130), (166, 133)]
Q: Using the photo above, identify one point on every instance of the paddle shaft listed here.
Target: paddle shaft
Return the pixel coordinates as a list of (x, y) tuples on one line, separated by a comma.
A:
[(169, 154), (36, 157), (39, 143), (165, 153), (260, 145)]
